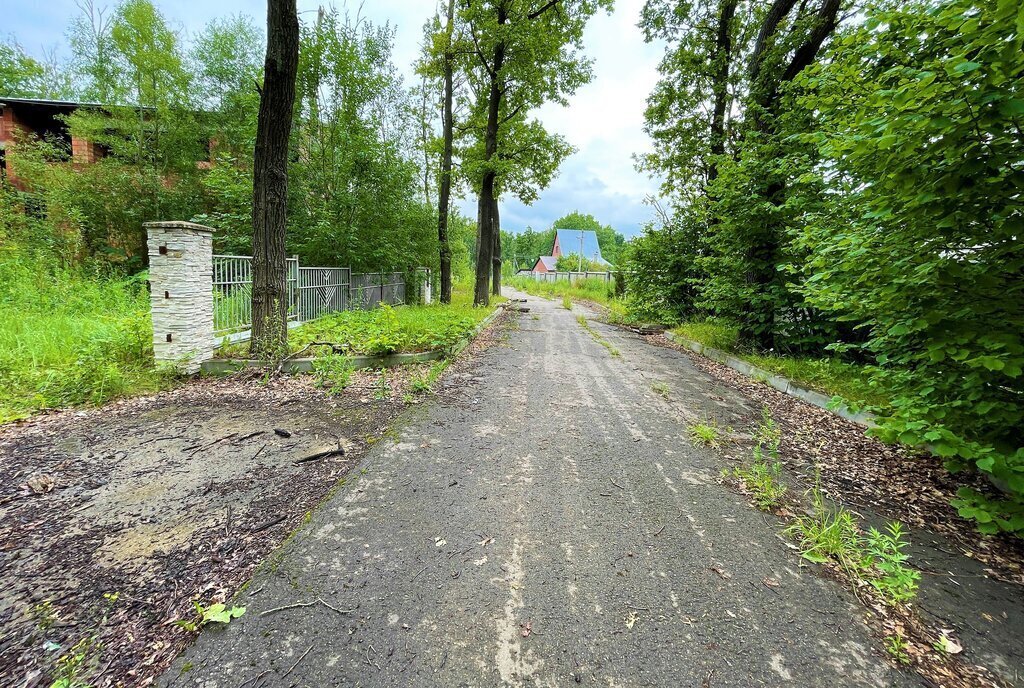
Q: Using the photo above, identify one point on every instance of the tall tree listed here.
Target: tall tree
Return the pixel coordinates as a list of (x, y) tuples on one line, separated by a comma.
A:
[(270, 181), (439, 64), (523, 54)]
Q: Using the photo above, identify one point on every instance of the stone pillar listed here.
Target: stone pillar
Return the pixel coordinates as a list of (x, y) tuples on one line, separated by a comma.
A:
[(181, 293)]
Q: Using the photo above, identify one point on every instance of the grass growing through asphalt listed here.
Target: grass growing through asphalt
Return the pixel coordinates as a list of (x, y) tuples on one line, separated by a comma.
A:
[(597, 336), (705, 433), (70, 337), (661, 389), (829, 376), (762, 478)]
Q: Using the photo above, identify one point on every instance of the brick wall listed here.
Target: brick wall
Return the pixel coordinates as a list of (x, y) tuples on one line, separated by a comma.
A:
[(9, 124)]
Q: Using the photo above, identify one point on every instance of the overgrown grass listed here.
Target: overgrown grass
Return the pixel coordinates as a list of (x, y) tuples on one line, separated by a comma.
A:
[(592, 289), (829, 376), (385, 329), (70, 337)]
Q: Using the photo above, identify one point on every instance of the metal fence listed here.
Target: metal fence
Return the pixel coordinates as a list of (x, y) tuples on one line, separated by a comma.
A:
[(232, 293), (570, 276), (373, 288), (312, 293)]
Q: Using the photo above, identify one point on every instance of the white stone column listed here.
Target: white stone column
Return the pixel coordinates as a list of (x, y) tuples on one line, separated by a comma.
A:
[(181, 293)]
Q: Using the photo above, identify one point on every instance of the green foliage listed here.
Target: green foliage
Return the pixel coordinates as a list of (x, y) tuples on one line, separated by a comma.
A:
[(706, 434), (215, 613), (763, 480), (74, 666), (832, 534), (590, 289), (660, 270), (661, 389), (425, 383), (919, 115), (386, 330), (567, 302), (883, 551), (333, 372), (897, 647), (828, 534), (355, 194), (716, 334), (69, 336), (573, 263)]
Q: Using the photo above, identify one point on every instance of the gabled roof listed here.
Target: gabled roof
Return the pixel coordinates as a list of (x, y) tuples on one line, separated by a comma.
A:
[(569, 242), (550, 262)]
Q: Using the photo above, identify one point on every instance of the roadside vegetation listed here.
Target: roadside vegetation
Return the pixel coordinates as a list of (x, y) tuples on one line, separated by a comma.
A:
[(841, 200), (71, 336), (829, 375)]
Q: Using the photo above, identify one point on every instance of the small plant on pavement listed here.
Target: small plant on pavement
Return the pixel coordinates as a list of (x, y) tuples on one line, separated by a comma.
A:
[(72, 667), (897, 647), (567, 303), (827, 534), (762, 479), (215, 613), (895, 581), (876, 557), (705, 433), (660, 388)]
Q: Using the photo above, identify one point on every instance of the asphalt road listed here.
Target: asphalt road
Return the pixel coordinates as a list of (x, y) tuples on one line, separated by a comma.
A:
[(546, 521)]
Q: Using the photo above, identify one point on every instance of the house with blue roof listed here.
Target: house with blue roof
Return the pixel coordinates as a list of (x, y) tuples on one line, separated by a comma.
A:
[(582, 242)]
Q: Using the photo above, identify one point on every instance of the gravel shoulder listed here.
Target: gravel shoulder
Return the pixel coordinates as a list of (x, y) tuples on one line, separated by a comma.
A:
[(547, 522)]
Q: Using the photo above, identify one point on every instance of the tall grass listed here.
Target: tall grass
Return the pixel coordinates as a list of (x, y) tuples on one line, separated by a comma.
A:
[(69, 336), (591, 289)]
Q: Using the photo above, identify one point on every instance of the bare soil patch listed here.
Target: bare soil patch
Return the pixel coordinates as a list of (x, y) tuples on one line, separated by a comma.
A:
[(114, 520)]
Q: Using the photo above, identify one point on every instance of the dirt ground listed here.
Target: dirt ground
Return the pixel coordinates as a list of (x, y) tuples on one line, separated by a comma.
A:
[(114, 520)]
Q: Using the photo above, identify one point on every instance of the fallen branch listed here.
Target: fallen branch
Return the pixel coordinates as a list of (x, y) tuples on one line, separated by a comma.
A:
[(297, 661), (269, 524), (320, 455)]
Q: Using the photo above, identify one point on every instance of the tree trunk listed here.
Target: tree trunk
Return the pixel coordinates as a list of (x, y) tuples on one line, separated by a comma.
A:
[(270, 182), (487, 201), (758, 325), (445, 192), (496, 252), (720, 59)]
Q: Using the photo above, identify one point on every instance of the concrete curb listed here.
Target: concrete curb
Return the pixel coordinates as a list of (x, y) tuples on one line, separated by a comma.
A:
[(227, 366), (784, 385)]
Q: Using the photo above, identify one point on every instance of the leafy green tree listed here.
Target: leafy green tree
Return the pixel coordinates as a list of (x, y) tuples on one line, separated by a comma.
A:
[(226, 60), (919, 113), (524, 54), (355, 182), (20, 74)]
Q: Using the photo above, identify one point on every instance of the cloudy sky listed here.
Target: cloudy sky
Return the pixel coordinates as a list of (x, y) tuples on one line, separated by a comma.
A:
[(604, 119)]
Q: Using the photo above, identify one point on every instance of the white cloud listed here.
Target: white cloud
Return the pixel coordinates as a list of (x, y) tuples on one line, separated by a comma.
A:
[(604, 120)]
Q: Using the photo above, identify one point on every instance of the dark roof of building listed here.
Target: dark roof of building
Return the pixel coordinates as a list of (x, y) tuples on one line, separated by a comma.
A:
[(62, 104)]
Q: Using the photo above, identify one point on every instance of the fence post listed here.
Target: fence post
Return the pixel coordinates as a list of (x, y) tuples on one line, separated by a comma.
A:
[(181, 292)]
